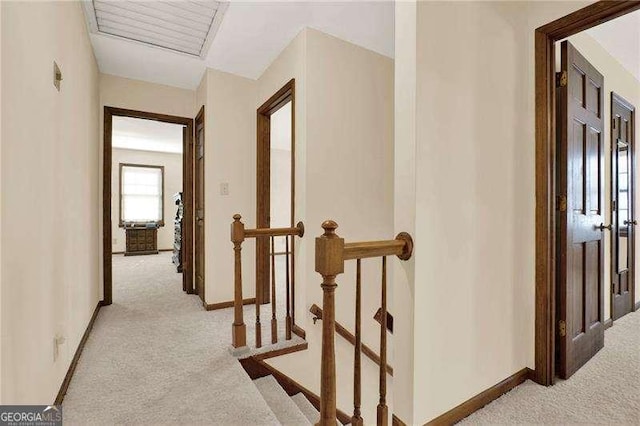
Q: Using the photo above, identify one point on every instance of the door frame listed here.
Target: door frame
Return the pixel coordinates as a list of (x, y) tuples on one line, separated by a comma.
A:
[(199, 117), (263, 173), (632, 172), (187, 192), (545, 135)]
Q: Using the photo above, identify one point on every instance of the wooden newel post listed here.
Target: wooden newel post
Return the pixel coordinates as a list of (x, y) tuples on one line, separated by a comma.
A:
[(239, 329), (329, 263)]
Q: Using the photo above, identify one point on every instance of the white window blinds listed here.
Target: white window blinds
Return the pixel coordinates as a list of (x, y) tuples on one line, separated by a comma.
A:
[(142, 191)]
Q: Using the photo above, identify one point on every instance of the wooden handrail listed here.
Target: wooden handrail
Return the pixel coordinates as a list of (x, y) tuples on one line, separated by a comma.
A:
[(401, 246), (275, 232), (331, 254), (349, 337), (238, 234)]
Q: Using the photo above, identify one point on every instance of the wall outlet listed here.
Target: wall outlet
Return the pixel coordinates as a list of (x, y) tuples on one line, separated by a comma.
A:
[(224, 188), (115, 241)]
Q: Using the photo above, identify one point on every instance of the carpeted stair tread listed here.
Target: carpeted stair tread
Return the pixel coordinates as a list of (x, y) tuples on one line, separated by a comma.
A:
[(306, 407), (286, 411)]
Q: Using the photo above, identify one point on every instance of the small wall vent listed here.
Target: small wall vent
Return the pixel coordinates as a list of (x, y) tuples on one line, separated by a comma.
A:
[(187, 27)]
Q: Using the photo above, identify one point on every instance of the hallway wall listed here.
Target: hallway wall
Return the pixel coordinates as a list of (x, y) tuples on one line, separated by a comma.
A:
[(468, 162), (50, 237), (229, 158)]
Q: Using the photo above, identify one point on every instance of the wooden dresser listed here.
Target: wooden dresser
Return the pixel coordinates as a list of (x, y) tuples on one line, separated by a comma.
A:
[(141, 240)]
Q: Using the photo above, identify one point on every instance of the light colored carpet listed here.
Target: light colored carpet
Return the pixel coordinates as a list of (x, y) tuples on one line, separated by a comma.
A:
[(155, 356), (307, 408), (604, 391), (285, 409)]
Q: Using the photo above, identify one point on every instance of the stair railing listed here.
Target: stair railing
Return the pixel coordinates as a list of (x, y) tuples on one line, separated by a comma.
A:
[(331, 254), (239, 328)]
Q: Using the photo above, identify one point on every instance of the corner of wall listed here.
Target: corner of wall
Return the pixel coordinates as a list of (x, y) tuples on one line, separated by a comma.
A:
[(404, 206)]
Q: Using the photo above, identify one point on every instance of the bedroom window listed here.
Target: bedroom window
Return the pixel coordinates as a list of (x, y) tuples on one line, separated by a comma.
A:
[(141, 194)]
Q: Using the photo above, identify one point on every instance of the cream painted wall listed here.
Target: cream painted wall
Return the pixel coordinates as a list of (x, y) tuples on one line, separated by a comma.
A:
[(144, 96), (621, 81), (349, 161), (472, 166), (344, 151), (404, 193), (49, 196), (230, 139), (141, 96), (172, 183)]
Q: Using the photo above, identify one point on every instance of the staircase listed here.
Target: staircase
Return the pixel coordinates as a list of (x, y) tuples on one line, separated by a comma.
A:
[(289, 410), (291, 403)]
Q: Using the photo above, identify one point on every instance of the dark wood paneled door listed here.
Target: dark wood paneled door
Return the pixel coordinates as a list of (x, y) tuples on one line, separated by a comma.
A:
[(622, 211), (199, 204), (580, 219)]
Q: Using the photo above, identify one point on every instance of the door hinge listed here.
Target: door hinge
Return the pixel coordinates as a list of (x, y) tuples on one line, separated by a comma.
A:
[(561, 203), (561, 79), (562, 328)]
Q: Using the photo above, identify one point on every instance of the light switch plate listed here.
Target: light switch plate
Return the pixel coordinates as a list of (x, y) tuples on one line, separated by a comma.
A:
[(224, 188)]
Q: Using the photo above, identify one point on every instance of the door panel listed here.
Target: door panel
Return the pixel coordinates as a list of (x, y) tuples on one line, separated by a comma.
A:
[(199, 205), (622, 202), (580, 180)]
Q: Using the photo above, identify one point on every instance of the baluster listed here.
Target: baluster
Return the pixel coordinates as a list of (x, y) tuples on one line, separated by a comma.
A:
[(293, 281), (258, 323), (288, 317), (274, 321), (329, 263), (383, 411), (357, 418), (239, 329)]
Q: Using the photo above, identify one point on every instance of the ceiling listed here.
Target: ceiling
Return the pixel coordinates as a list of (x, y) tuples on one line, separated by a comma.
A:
[(250, 36), (146, 135), (621, 38)]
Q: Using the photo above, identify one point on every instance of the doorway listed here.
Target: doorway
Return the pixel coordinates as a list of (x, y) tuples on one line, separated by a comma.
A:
[(275, 197), (142, 200), (548, 327), (623, 220)]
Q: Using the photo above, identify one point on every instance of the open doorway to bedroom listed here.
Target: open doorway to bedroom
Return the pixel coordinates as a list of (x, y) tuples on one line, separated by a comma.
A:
[(148, 175), (587, 87)]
